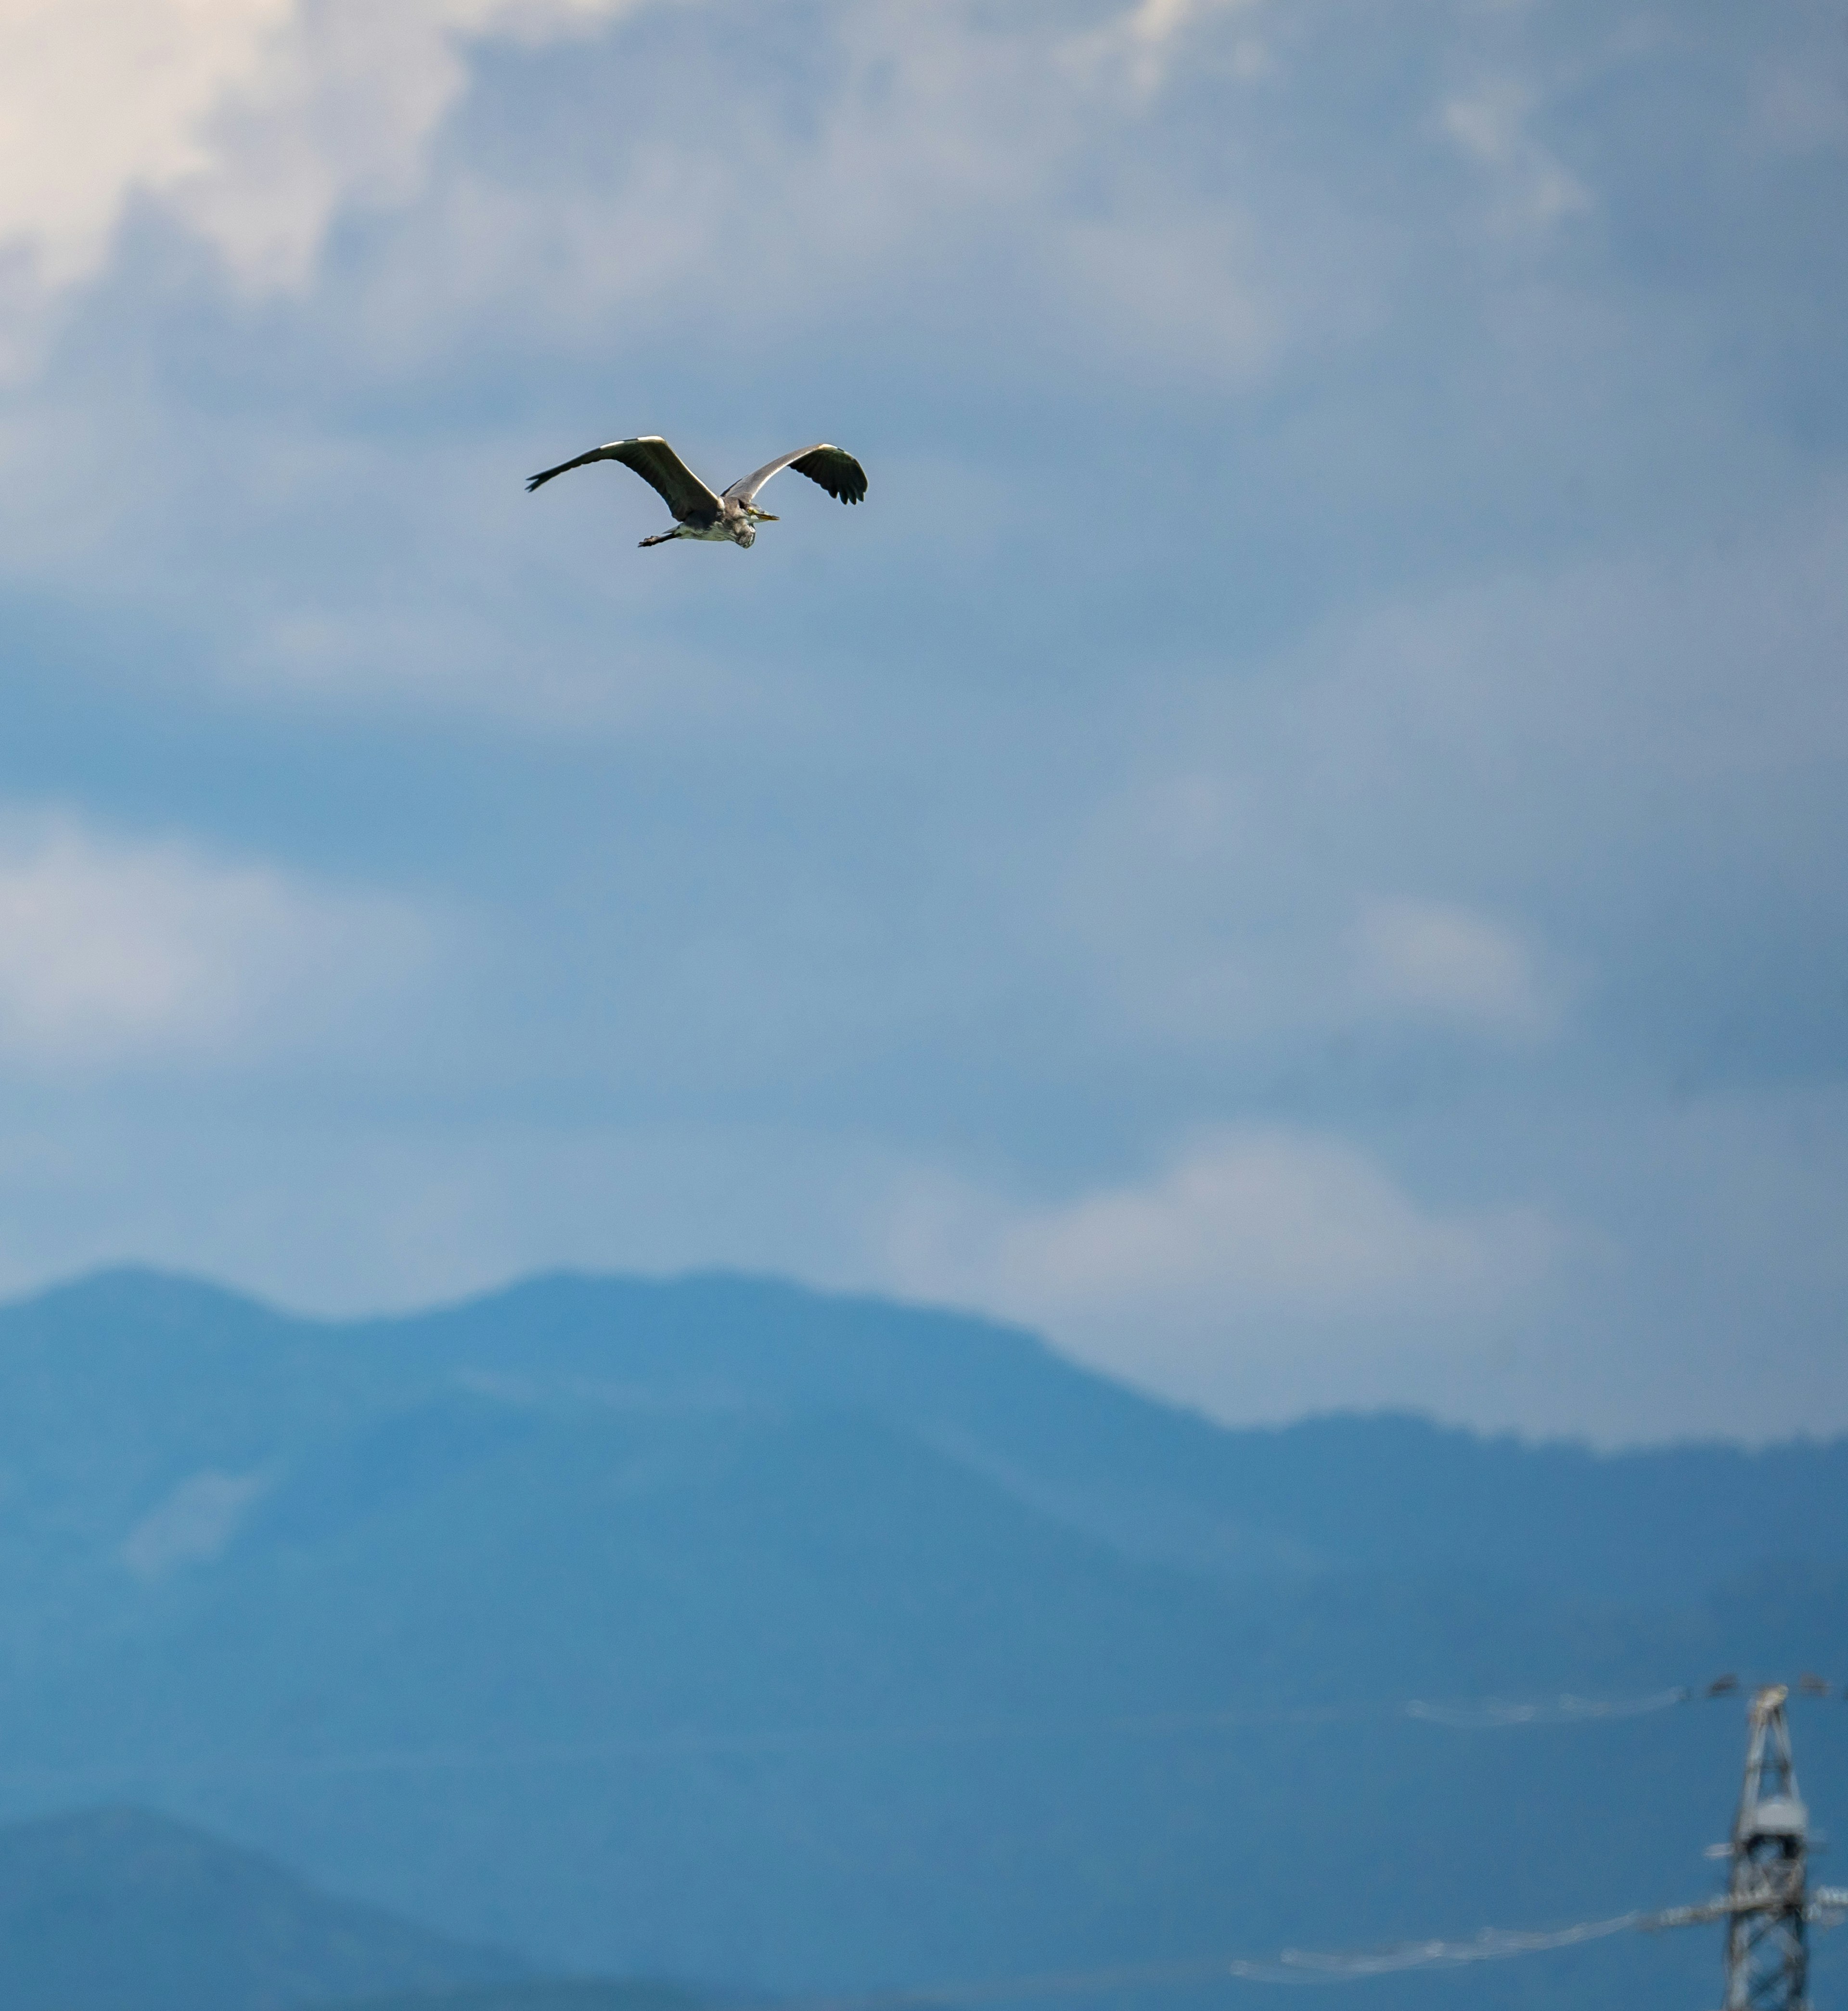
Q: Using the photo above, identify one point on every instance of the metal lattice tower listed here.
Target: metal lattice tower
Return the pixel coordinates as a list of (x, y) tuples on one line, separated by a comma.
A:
[(1768, 1951)]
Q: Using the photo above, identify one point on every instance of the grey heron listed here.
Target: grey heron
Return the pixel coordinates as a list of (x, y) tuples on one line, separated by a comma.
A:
[(732, 517)]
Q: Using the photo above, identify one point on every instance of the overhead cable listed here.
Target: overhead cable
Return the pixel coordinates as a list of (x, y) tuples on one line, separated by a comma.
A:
[(1487, 1714), (1827, 1907), (1494, 1716)]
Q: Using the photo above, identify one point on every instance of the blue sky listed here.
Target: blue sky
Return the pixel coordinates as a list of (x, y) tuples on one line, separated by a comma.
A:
[(1295, 843)]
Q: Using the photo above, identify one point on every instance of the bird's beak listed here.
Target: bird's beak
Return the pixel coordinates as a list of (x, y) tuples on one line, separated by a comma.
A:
[(764, 517)]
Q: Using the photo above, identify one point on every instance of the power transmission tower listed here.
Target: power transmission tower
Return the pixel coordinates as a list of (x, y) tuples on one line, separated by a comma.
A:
[(1768, 1947)]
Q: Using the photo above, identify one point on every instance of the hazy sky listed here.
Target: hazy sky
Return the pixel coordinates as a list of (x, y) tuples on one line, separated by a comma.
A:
[(1295, 842)]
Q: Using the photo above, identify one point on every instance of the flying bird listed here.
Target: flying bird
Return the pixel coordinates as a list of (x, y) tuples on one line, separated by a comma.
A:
[(734, 516)]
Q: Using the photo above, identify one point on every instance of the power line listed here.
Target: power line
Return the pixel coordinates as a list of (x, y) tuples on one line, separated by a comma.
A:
[(1292, 1966), (1482, 1714), (1767, 1907), (1826, 1906), (1494, 1716)]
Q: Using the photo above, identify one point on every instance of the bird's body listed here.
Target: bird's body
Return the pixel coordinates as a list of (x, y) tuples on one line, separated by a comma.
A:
[(731, 518)]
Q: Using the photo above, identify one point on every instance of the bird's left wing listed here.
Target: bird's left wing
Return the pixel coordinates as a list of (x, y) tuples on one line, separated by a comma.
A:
[(658, 465), (832, 466)]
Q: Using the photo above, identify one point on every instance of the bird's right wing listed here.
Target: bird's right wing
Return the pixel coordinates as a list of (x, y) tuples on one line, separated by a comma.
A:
[(658, 466)]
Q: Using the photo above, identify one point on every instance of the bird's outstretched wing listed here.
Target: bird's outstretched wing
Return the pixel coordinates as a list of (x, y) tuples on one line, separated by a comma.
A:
[(660, 466), (832, 466)]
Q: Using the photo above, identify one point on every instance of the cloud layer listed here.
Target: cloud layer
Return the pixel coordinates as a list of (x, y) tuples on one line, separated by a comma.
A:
[(256, 121), (117, 954), (1267, 1263), (1295, 839)]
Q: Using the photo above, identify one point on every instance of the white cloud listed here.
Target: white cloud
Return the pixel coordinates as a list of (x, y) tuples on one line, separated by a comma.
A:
[(1431, 960), (115, 954), (1489, 123), (100, 97), (1524, 730), (945, 140), (257, 121), (254, 119), (1160, 21), (1143, 42), (1256, 1258)]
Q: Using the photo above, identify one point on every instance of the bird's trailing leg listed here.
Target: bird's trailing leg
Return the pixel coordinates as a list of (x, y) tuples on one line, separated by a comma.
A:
[(666, 538)]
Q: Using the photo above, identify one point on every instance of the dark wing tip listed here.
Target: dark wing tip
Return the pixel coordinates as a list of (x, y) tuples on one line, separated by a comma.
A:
[(563, 467), (836, 470), (582, 461)]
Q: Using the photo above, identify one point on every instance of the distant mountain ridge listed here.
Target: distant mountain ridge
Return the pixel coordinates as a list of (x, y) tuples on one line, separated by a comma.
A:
[(718, 1629), (1332, 1493), (114, 1909)]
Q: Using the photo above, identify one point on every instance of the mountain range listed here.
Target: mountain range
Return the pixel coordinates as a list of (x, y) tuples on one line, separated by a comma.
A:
[(113, 1908), (717, 1629)]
